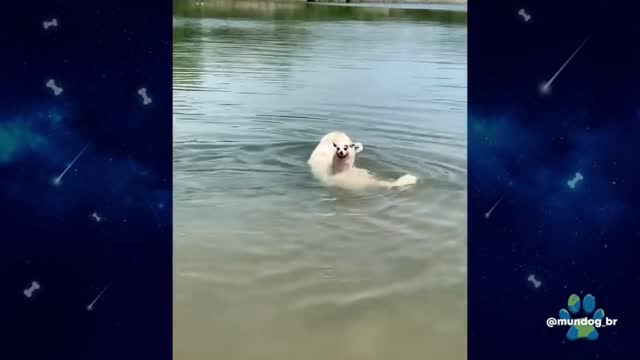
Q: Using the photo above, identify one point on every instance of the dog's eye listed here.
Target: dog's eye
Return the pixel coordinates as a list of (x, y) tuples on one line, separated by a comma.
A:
[(346, 147)]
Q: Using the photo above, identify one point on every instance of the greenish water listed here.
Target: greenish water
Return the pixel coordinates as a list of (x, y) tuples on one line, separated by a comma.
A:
[(269, 264)]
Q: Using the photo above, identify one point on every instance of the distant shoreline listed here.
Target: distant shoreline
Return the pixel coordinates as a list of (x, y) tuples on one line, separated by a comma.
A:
[(397, 2), (429, 2), (454, 11), (451, 5)]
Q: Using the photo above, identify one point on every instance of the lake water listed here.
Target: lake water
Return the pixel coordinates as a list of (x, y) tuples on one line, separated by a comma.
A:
[(268, 263)]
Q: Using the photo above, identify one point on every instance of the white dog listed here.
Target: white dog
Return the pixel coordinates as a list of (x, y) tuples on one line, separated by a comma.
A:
[(333, 162)]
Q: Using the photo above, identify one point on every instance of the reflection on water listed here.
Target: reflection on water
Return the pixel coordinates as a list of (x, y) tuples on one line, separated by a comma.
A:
[(268, 263)]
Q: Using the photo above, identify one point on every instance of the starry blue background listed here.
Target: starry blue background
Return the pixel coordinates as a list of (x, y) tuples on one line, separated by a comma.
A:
[(101, 53), (524, 146)]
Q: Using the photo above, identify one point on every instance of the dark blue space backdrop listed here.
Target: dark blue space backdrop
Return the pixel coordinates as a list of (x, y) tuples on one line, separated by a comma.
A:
[(104, 224), (563, 165)]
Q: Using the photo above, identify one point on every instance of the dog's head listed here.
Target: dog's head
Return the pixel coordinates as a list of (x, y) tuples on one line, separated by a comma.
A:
[(343, 151), (346, 150)]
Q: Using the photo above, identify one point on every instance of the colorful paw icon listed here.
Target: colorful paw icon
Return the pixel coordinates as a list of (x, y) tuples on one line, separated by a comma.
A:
[(587, 305)]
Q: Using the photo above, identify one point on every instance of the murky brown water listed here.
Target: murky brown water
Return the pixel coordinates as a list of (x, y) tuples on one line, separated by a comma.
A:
[(268, 263)]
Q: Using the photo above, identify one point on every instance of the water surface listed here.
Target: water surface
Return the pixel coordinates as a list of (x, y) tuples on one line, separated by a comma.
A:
[(268, 263)]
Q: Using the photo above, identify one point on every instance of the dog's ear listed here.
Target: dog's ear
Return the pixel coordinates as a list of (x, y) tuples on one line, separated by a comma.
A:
[(358, 147), (334, 145)]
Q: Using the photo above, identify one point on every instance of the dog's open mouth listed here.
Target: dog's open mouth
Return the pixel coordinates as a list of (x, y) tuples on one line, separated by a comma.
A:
[(342, 156)]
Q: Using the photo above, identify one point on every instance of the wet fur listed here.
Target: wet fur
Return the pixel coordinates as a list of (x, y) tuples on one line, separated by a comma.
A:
[(342, 172)]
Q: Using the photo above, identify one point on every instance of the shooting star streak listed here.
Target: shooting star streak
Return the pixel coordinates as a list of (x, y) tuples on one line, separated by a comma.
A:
[(488, 213), (90, 306), (58, 179), (545, 88)]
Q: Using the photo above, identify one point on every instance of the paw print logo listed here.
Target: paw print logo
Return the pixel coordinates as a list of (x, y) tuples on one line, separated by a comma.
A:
[(588, 306)]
